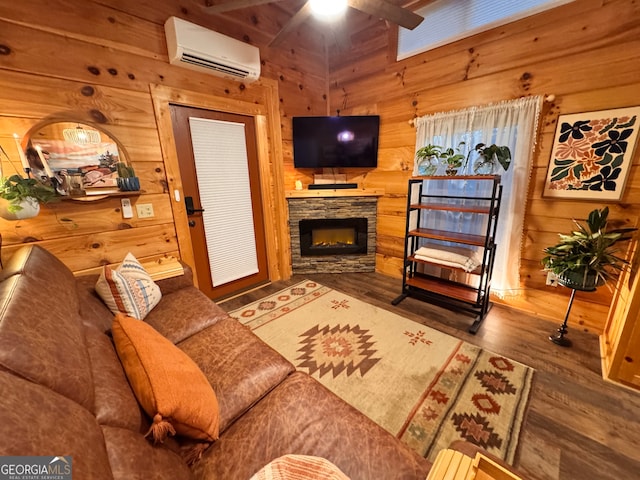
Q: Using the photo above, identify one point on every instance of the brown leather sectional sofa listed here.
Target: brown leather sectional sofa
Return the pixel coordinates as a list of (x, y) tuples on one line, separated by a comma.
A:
[(64, 392)]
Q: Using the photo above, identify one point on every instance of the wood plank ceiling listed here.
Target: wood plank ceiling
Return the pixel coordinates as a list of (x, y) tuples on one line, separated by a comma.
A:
[(272, 18)]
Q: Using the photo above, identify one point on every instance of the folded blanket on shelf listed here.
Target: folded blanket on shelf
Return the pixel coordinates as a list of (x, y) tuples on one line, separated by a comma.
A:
[(464, 258)]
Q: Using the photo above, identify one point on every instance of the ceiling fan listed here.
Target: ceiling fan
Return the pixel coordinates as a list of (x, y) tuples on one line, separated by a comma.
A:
[(379, 8)]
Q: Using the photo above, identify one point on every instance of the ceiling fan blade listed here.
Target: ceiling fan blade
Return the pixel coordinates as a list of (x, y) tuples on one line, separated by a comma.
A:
[(300, 17), (235, 5), (380, 8)]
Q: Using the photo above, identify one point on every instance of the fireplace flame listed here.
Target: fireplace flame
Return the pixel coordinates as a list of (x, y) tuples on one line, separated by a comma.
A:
[(333, 237)]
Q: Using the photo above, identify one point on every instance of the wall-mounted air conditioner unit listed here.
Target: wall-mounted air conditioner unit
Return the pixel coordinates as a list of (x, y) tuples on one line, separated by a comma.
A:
[(196, 47)]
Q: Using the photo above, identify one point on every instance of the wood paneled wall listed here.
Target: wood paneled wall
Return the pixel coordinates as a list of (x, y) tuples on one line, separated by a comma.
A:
[(585, 53), (95, 61)]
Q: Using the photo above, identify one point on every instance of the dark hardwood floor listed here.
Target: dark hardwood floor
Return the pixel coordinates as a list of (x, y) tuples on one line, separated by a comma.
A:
[(578, 426)]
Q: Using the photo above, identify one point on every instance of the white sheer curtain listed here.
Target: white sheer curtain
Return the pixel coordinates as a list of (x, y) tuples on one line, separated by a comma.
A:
[(513, 123)]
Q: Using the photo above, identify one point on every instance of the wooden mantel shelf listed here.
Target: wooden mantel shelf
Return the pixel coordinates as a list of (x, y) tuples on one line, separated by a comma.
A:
[(337, 192)]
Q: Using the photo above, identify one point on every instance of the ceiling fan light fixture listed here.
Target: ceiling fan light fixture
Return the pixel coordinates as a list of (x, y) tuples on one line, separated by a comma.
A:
[(328, 9)]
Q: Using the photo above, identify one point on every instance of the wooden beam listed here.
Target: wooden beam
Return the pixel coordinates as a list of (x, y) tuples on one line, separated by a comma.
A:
[(235, 5), (298, 19), (416, 4), (380, 8)]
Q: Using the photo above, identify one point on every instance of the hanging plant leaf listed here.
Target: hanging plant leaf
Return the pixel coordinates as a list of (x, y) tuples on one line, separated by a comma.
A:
[(501, 153)]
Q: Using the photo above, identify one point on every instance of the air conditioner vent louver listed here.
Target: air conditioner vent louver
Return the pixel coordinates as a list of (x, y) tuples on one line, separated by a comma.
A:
[(193, 60), (192, 46)]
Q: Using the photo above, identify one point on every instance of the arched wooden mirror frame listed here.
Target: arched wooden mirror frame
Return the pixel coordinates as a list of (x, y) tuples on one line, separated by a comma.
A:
[(81, 167)]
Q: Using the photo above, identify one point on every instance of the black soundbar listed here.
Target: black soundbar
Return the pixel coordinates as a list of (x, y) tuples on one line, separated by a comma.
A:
[(331, 186)]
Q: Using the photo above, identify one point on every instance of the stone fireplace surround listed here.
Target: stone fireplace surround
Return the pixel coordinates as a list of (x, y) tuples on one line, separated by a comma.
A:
[(331, 204)]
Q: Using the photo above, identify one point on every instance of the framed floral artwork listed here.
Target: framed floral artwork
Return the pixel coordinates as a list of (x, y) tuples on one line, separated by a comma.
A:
[(592, 154)]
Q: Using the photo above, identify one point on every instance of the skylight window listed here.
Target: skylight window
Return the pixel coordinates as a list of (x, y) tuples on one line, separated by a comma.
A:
[(446, 21)]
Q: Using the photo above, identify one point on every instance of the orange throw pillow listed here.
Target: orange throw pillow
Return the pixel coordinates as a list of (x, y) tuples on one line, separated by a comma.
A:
[(166, 381)]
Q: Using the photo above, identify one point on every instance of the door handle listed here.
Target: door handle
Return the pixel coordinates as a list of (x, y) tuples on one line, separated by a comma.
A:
[(188, 203)]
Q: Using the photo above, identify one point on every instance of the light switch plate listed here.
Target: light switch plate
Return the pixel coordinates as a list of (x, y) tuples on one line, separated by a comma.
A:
[(145, 210)]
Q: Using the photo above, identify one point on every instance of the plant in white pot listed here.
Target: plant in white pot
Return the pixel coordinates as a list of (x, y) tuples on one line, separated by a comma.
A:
[(20, 197), (587, 257)]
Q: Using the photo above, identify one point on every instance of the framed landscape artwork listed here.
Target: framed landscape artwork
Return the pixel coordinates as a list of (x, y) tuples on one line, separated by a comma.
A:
[(592, 154), (96, 163)]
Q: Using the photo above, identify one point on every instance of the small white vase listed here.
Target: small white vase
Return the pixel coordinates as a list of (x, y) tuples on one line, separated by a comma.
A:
[(30, 208)]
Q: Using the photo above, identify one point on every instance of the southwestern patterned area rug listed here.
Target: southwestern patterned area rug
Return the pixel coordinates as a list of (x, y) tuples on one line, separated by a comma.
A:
[(423, 386)]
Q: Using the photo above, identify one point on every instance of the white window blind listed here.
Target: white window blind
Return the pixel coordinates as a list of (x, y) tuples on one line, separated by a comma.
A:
[(220, 154), (446, 21)]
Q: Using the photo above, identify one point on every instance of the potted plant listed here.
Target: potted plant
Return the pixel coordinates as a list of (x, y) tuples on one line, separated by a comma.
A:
[(21, 197), (587, 257), (427, 159), (453, 158), (127, 180), (488, 156)]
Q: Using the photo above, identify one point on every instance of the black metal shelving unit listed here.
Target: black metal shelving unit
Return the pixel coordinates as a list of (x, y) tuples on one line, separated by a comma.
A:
[(471, 297)]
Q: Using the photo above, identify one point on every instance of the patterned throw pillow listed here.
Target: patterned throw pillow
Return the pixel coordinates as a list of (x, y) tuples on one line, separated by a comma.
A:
[(128, 289), (299, 467)]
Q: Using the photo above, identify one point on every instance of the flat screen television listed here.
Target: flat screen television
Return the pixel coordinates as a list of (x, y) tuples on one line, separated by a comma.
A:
[(336, 142)]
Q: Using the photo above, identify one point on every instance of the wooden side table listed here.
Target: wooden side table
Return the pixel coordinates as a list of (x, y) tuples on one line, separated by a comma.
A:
[(453, 465)]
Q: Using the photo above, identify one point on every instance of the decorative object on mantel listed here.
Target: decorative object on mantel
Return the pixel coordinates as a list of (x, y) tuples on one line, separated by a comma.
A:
[(489, 157), (592, 154), (585, 259)]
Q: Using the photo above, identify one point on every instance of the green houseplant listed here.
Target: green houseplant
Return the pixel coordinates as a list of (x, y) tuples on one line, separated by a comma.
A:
[(587, 257), (429, 156), (127, 180), (487, 157), (453, 158), (21, 197), (427, 159)]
